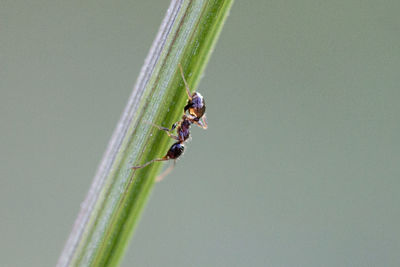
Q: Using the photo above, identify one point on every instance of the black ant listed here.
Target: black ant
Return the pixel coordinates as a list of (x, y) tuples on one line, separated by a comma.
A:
[(193, 113)]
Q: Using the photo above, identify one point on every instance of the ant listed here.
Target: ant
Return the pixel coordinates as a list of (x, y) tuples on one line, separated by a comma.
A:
[(193, 113)]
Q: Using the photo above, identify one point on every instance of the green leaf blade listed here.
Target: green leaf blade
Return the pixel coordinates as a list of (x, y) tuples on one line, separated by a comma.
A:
[(118, 194)]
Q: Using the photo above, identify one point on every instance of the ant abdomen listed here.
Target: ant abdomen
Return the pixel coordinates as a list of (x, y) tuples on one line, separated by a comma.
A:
[(175, 151)]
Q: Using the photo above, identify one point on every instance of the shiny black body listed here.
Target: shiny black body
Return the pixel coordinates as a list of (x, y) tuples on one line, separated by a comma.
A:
[(175, 151)]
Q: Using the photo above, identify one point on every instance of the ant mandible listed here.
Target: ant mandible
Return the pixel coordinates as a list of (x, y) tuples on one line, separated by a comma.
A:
[(193, 113)]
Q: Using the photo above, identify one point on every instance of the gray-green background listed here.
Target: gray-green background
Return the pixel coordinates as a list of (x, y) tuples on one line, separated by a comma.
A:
[(299, 166)]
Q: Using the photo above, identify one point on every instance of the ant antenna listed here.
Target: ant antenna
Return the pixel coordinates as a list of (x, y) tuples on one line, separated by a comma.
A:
[(202, 122), (186, 85)]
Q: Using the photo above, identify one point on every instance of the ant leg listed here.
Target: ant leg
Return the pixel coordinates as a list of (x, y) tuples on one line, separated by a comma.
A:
[(168, 131), (149, 162), (186, 85), (166, 172)]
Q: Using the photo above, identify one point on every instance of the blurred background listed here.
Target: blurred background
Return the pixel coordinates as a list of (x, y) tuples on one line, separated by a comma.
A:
[(299, 166)]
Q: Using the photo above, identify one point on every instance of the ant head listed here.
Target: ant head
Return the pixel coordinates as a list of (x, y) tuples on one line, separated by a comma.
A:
[(196, 105), (175, 151)]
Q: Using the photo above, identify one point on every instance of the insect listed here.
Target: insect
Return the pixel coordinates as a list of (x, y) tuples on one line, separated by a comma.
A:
[(193, 113)]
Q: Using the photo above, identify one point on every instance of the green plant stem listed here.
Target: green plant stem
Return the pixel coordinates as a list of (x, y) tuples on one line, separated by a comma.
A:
[(117, 195)]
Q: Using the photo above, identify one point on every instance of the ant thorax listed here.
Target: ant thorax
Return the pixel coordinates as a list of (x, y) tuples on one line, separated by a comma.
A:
[(183, 128)]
